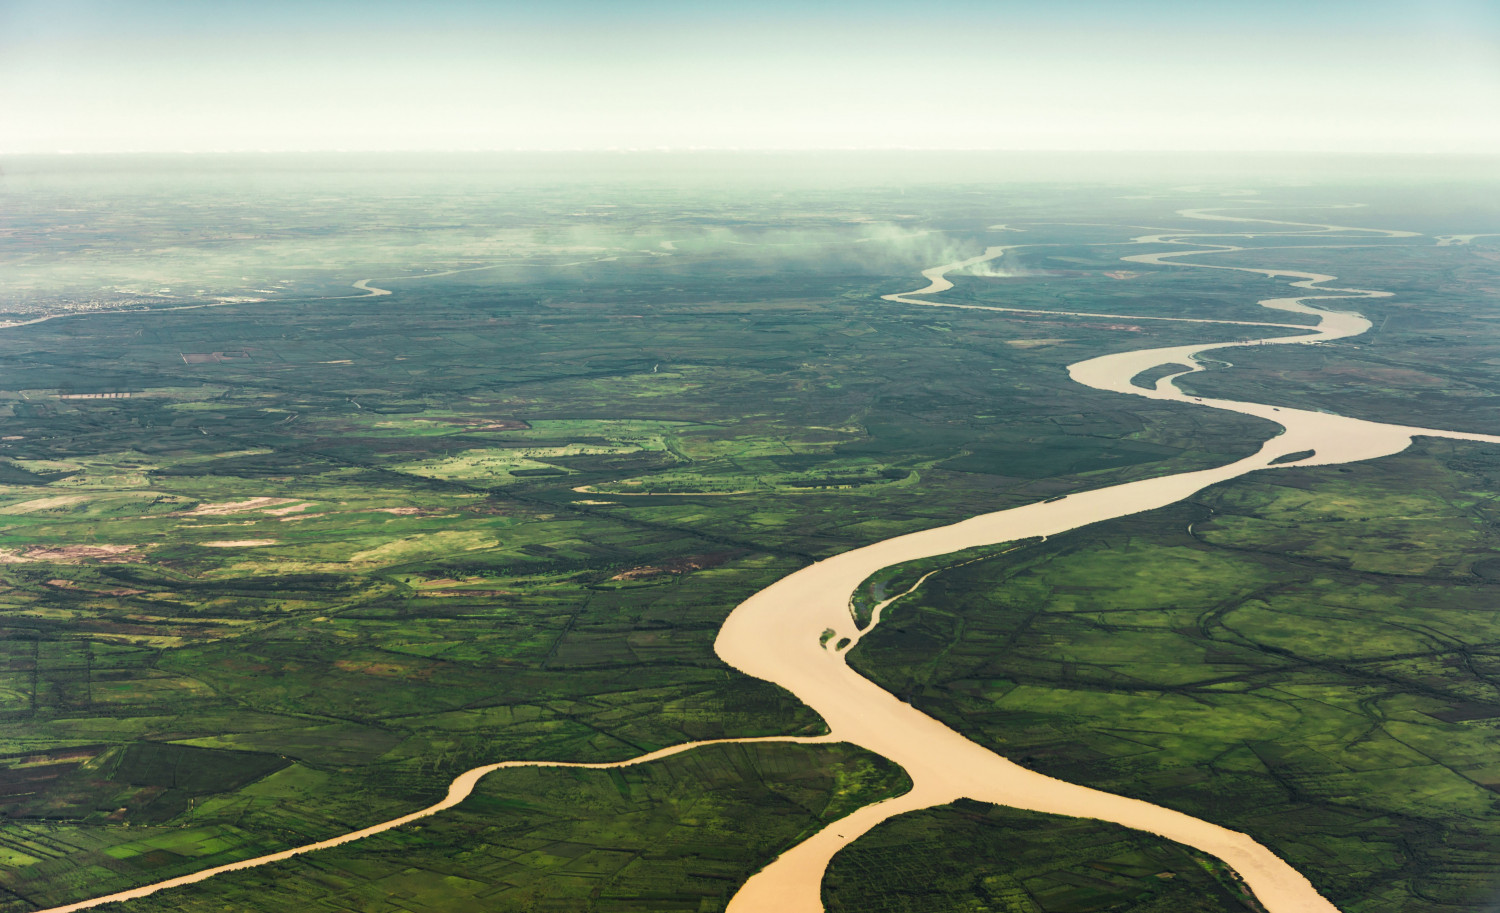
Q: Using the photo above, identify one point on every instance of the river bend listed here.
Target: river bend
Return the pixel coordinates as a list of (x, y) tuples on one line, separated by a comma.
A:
[(779, 633)]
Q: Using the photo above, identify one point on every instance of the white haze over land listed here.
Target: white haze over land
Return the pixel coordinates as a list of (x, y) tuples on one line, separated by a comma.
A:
[(1373, 77)]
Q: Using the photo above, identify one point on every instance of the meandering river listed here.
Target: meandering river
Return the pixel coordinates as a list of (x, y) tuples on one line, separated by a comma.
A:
[(779, 633)]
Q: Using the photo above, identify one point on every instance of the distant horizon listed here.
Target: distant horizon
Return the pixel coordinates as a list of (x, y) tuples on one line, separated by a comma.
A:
[(160, 76), (789, 167), (790, 150), (768, 150)]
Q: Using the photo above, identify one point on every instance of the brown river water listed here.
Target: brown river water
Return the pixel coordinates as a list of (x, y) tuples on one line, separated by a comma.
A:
[(779, 633)]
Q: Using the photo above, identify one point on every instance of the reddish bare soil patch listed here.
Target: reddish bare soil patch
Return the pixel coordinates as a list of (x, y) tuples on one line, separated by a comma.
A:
[(676, 566), (70, 554), (61, 584), (233, 507), (488, 594), (283, 511), (237, 543), (383, 670)]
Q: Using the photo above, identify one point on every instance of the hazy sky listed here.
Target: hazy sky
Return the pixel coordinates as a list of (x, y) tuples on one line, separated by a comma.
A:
[(207, 75)]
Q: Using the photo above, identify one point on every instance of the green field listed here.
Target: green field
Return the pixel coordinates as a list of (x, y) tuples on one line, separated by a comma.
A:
[(1307, 656), (974, 858), (275, 570), (679, 834)]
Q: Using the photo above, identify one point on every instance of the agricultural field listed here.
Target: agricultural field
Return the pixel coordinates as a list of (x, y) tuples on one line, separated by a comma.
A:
[(972, 856), (678, 834), (1305, 655), (274, 570)]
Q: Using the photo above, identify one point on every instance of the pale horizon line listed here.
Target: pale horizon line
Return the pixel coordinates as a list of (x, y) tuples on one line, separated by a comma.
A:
[(768, 150)]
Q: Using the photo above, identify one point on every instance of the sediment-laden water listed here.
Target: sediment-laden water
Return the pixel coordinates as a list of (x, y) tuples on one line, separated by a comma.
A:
[(779, 634)]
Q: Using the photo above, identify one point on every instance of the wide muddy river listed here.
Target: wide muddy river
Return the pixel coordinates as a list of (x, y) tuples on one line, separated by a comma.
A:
[(780, 633)]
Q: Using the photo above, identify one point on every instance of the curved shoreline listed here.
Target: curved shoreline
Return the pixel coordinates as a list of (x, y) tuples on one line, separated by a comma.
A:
[(458, 791), (777, 634)]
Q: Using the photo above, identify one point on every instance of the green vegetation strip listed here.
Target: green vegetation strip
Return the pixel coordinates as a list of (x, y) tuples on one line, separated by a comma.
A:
[(676, 834), (1307, 655), (976, 858)]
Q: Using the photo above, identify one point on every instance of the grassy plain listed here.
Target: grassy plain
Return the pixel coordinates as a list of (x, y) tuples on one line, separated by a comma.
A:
[(679, 834), (274, 570), (971, 857), (1306, 655), (372, 542)]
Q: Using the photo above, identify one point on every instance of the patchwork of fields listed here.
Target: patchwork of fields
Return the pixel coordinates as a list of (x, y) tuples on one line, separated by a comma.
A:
[(278, 594)]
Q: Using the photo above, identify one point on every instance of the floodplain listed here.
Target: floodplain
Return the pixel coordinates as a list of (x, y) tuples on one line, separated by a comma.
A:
[(277, 570)]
